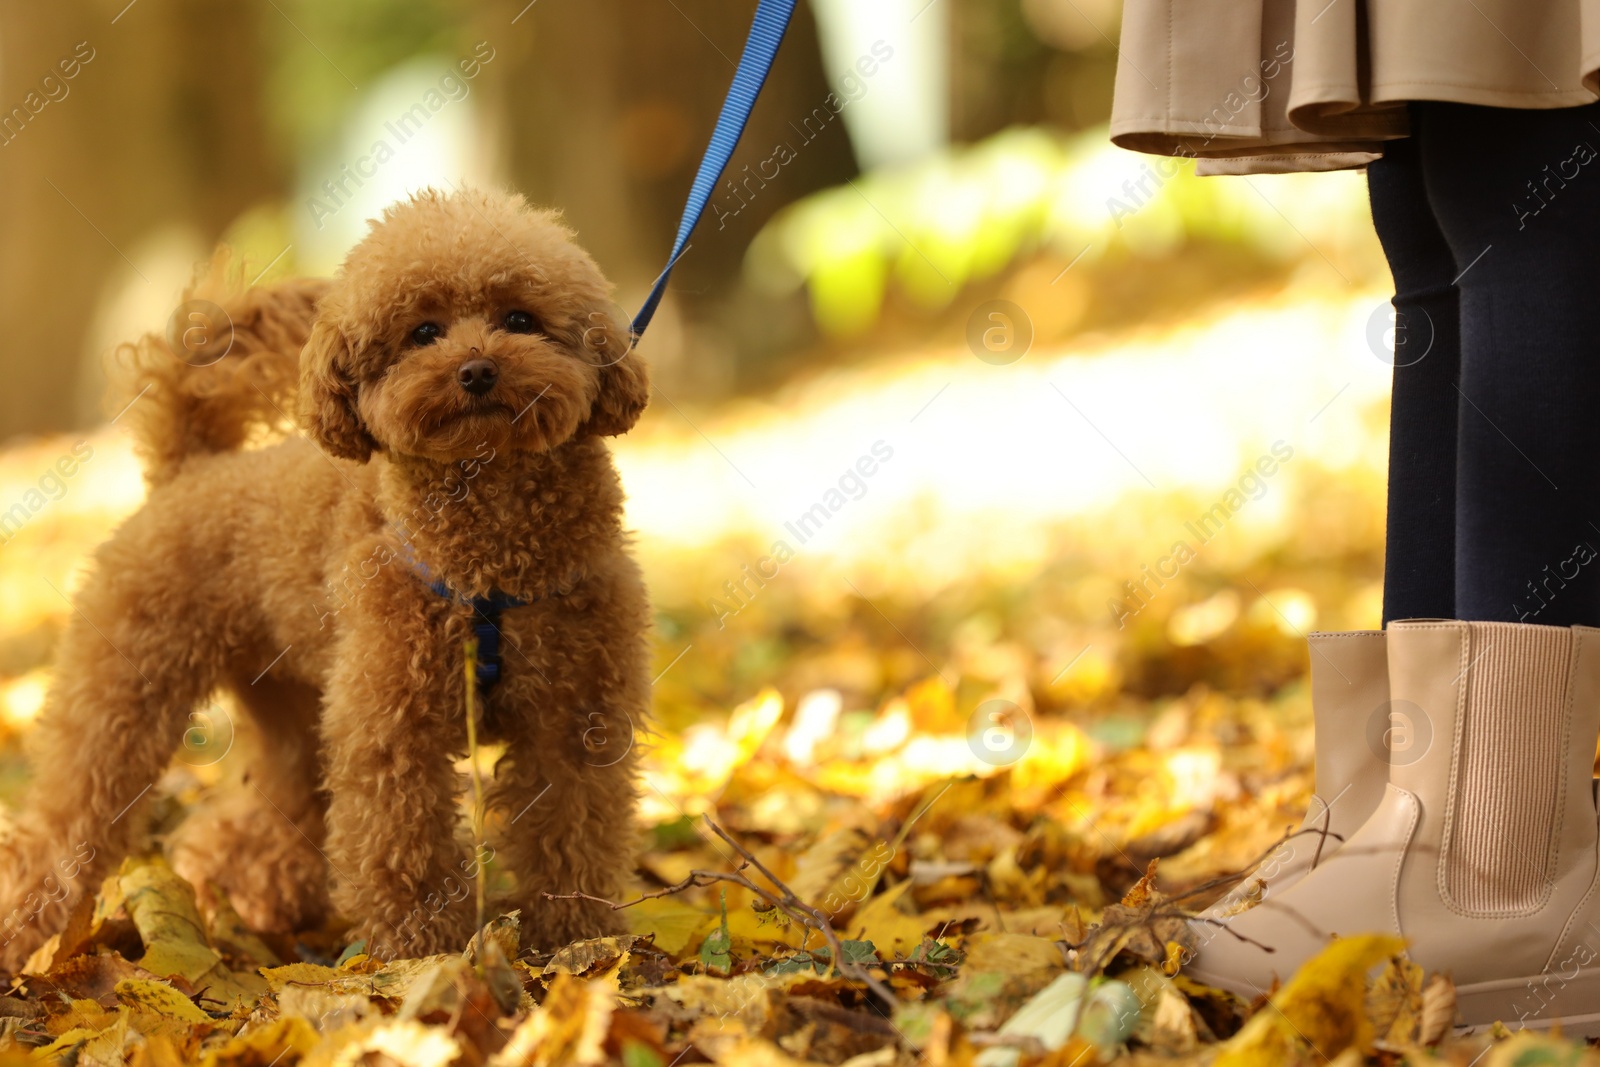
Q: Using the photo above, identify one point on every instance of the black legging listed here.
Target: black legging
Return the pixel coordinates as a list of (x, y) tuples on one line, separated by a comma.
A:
[(1490, 219)]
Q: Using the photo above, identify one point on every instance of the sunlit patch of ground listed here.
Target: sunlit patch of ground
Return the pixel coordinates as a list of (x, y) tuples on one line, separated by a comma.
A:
[(980, 691), (996, 532)]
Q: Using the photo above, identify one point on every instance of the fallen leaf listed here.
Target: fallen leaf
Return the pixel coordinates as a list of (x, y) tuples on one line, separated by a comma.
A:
[(1438, 1010), (1048, 1018), (162, 907), (160, 998), (298, 974), (672, 923), (405, 1042), (716, 949), (569, 1028), (891, 928), (1321, 1005), (583, 957), (230, 935), (265, 1045)]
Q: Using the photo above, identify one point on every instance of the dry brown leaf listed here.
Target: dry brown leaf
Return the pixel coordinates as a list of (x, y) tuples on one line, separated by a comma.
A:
[(829, 874), (583, 957)]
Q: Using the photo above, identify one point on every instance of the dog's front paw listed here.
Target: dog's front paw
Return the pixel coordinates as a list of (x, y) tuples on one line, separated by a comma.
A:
[(420, 933), (553, 924)]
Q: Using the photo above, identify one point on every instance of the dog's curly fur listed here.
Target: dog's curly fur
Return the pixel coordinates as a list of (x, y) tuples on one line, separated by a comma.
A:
[(296, 576)]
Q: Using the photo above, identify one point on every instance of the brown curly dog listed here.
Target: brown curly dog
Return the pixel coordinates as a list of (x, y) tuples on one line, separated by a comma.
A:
[(456, 381)]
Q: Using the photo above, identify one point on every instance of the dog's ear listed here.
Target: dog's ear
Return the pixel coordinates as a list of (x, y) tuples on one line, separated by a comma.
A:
[(624, 377), (327, 397)]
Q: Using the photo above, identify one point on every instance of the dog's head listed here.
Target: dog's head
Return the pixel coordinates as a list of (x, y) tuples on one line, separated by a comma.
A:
[(462, 320)]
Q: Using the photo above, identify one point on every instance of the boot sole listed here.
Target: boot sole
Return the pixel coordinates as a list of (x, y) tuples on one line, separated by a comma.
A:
[(1539, 1003)]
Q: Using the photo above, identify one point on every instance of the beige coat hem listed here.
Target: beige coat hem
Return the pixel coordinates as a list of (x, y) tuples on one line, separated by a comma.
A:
[(1275, 85)]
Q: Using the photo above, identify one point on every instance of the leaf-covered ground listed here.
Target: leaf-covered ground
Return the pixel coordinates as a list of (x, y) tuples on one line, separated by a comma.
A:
[(905, 795), (971, 930)]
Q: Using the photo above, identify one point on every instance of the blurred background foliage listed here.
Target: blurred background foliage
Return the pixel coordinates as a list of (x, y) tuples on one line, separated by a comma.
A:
[(915, 169)]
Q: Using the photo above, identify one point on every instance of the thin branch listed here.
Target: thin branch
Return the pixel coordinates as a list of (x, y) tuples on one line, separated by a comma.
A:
[(1237, 876), (781, 897), (807, 915), (1224, 924), (477, 778)]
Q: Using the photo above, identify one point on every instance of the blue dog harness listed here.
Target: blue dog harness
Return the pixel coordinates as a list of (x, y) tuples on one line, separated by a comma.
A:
[(486, 626), (486, 609)]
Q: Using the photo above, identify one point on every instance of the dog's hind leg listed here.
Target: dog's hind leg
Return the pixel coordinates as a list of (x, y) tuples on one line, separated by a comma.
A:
[(128, 673), (260, 841)]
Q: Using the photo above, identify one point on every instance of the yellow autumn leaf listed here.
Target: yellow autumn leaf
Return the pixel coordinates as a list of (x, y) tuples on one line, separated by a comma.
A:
[(1012, 954), (754, 932), (298, 974), (569, 1028), (831, 875), (405, 1042), (673, 924), (68, 1041), (1394, 1003), (109, 1046), (80, 1014), (284, 1036), (890, 929), (162, 908), (160, 998), (230, 934), (1323, 1005)]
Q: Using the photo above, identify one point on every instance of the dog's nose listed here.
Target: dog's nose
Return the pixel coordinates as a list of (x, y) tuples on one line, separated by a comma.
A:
[(477, 376)]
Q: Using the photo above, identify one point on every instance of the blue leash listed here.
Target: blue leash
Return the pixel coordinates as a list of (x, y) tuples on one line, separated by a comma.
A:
[(766, 33)]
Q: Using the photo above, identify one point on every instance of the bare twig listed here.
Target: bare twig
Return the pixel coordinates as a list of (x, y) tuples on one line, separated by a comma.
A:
[(696, 880), (1224, 924), (1236, 876), (477, 776), (807, 915), (780, 896)]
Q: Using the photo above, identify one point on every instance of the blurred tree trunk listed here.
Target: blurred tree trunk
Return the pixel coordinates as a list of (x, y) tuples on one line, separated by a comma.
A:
[(610, 103), (162, 125)]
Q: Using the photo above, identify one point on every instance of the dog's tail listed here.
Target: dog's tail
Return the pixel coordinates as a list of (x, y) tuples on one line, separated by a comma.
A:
[(222, 376)]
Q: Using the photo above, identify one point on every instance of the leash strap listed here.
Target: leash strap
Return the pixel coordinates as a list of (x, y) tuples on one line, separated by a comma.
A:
[(766, 33)]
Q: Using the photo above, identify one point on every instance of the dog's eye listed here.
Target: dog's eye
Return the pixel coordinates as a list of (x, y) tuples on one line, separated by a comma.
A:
[(521, 322), (427, 333)]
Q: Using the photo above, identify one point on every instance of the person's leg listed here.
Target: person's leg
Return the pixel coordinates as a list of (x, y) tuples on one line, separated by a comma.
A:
[(1517, 194), (1419, 560)]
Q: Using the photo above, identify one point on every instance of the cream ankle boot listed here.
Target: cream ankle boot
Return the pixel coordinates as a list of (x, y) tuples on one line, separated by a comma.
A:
[(1349, 687), (1482, 852)]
